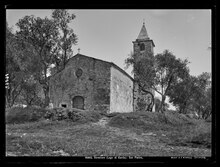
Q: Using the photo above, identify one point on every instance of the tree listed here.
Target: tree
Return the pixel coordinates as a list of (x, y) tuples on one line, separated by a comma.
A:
[(157, 104), (207, 112), (52, 40), (17, 65), (193, 93), (203, 97), (66, 38), (181, 95), (29, 93), (160, 72), (169, 71), (41, 34)]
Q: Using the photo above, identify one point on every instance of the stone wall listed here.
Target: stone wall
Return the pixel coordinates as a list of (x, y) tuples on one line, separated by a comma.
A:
[(148, 48), (93, 84), (121, 99)]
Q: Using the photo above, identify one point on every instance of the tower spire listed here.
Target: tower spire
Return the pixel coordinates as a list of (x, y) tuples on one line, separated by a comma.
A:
[(143, 33)]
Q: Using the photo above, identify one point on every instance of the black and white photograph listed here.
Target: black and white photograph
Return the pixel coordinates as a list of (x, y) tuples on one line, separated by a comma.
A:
[(108, 84)]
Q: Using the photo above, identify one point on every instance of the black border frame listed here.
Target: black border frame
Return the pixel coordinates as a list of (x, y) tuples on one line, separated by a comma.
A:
[(156, 4)]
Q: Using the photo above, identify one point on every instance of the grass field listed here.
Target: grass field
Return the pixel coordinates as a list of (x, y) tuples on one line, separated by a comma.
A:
[(137, 134)]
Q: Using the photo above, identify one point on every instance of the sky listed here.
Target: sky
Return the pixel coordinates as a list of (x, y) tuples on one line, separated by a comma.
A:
[(108, 34)]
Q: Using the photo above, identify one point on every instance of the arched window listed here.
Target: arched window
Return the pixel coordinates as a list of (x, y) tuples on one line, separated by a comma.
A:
[(78, 102), (142, 47)]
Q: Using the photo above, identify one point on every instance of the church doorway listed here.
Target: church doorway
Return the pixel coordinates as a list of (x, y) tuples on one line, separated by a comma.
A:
[(78, 102)]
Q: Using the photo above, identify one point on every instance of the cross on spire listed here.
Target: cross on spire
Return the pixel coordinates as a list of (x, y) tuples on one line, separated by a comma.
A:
[(78, 50)]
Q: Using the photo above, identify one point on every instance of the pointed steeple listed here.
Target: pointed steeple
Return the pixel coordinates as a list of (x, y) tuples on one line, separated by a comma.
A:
[(143, 33)]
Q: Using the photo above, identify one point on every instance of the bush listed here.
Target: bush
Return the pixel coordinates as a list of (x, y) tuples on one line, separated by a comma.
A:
[(72, 114), (85, 116), (57, 114), (22, 115)]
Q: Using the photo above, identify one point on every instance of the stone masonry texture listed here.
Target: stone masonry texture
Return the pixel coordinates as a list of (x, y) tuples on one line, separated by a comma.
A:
[(93, 85)]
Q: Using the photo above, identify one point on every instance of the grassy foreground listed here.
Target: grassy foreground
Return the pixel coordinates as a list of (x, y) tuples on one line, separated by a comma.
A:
[(137, 134)]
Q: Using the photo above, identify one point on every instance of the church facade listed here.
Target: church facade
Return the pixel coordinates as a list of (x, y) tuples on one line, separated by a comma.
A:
[(92, 84)]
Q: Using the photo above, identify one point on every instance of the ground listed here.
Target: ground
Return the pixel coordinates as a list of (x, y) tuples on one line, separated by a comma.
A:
[(102, 138)]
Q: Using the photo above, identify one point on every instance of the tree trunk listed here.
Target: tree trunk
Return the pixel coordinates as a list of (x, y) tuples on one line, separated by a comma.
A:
[(9, 97), (161, 108), (46, 96), (12, 96), (183, 109), (29, 101), (149, 107)]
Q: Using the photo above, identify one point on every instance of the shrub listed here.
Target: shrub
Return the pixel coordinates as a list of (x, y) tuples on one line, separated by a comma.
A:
[(22, 115), (73, 114)]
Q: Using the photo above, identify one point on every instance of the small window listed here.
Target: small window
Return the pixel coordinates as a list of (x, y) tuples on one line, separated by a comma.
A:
[(79, 73), (142, 47), (63, 105)]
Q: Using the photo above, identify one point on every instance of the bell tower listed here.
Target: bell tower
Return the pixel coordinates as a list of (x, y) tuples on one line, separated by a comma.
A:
[(142, 46)]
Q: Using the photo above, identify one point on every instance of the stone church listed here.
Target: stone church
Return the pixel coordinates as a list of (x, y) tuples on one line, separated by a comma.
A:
[(91, 84)]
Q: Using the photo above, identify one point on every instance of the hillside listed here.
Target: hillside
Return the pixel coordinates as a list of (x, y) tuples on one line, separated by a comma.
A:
[(137, 134)]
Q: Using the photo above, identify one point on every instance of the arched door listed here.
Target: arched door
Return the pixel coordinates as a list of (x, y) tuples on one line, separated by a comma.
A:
[(78, 102)]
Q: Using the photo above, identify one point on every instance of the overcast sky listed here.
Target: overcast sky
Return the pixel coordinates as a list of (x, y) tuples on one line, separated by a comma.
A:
[(108, 34)]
